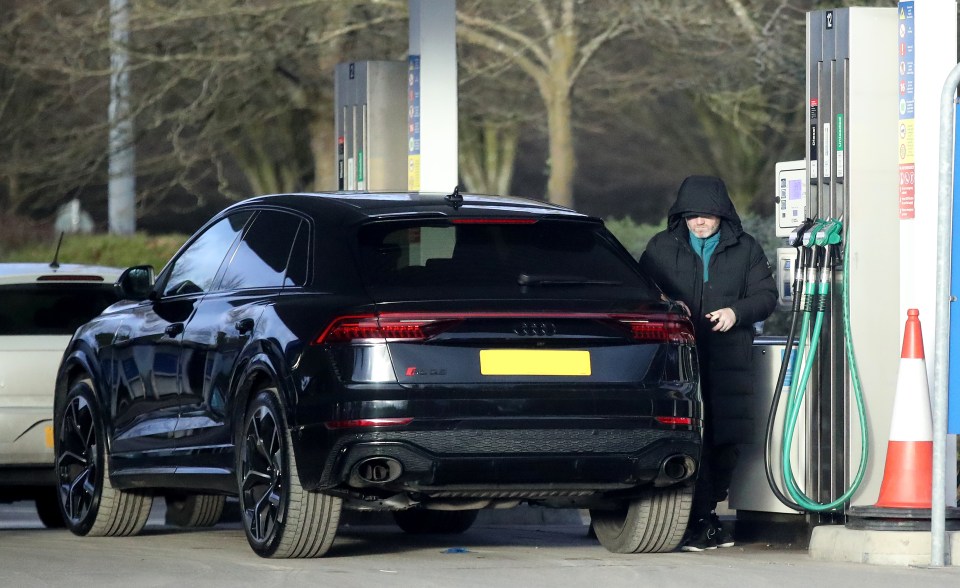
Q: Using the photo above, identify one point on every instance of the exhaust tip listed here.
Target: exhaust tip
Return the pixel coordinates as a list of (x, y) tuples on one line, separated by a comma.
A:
[(676, 468), (377, 470)]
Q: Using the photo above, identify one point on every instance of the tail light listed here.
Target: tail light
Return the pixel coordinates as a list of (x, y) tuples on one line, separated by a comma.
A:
[(348, 329), (357, 423), (674, 420), (660, 331)]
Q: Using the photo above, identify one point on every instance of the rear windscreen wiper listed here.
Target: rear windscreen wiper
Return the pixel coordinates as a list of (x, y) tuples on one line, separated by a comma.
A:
[(538, 280)]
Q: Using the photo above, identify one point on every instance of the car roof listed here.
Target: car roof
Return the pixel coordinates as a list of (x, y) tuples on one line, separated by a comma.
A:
[(360, 206), (21, 273)]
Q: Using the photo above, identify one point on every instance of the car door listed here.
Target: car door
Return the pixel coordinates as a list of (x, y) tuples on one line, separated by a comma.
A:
[(226, 323), (147, 349)]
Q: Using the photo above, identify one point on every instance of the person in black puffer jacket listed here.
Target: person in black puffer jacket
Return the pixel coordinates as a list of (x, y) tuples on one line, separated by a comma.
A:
[(707, 262)]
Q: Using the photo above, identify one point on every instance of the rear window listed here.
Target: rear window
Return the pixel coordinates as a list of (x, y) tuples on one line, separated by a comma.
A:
[(544, 259), (51, 309)]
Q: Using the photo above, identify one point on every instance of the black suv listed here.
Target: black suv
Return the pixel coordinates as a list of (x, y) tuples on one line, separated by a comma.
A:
[(413, 353)]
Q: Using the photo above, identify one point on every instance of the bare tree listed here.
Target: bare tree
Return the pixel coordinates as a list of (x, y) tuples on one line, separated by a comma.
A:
[(225, 91), (551, 42)]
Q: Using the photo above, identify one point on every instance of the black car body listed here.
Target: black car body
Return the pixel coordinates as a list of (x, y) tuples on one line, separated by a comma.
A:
[(421, 354)]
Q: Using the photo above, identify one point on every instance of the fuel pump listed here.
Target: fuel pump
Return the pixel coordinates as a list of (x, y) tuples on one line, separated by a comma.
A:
[(839, 277)]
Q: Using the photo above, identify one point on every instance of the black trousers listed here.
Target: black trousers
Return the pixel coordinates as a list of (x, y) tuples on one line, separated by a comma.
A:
[(717, 462)]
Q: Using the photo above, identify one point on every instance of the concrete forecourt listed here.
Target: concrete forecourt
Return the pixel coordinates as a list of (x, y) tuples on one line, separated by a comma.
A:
[(498, 551)]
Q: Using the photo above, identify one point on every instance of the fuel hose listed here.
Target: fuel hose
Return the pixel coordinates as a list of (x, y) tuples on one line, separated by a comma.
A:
[(817, 294)]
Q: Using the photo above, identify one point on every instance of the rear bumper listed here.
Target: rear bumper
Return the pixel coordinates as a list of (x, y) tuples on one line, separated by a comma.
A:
[(497, 462)]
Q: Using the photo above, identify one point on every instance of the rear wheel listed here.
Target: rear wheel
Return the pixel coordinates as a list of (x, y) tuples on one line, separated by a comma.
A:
[(421, 521), (48, 508), (194, 510), (654, 522), (90, 504), (280, 518)]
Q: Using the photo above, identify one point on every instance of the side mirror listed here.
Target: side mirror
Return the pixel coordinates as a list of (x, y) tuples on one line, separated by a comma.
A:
[(135, 283)]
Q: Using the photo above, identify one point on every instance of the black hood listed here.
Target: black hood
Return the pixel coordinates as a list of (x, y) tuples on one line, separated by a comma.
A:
[(706, 195)]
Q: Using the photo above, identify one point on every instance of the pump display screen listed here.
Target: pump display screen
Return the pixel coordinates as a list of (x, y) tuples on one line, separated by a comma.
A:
[(794, 190)]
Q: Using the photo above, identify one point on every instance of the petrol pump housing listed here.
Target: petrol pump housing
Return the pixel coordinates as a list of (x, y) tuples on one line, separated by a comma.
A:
[(850, 175)]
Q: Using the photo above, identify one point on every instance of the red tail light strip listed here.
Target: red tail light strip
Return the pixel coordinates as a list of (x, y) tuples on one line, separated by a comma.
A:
[(349, 424), (659, 327), (670, 331), (383, 327), (673, 420)]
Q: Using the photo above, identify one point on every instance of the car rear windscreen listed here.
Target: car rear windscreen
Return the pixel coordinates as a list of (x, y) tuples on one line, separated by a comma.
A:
[(51, 309), (404, 260)]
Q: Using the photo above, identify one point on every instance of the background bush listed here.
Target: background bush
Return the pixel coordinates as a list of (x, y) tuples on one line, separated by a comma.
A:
[(97, 249)]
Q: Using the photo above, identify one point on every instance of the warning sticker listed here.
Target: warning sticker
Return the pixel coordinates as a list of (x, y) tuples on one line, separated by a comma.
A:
[(907, 191)]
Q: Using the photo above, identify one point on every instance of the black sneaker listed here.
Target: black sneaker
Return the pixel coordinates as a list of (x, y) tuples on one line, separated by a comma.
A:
[(722, 536), (701, 537)]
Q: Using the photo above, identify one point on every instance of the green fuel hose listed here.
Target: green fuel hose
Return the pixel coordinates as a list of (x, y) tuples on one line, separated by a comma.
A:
[(817, 297)]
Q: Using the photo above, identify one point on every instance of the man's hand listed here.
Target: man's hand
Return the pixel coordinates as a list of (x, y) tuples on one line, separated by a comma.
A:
[(723, 319)]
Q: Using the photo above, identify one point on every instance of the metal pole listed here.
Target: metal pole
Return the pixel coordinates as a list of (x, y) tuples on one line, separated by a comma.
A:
[(938, 511), (121, 194), (433, 157)]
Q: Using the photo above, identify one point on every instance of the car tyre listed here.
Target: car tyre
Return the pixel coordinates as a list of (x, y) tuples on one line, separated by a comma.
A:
[(194, 510), (89, 502), (48, 509), (419, 521), (280, 518), (654, 522)]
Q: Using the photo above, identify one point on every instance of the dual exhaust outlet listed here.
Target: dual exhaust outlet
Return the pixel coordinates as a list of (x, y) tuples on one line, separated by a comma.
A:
[(377, 471)]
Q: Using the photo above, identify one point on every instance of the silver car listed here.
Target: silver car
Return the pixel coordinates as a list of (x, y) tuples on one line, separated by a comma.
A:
[(41, 306)]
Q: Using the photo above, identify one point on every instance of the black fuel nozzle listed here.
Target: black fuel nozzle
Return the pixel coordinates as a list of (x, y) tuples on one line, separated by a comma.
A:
[(796, 236)]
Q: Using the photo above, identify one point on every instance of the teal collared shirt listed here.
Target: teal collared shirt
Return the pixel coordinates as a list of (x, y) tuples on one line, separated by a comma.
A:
[(705, 248)]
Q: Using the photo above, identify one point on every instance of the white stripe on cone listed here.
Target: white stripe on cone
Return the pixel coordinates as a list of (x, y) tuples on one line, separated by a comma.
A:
[(911, 419)]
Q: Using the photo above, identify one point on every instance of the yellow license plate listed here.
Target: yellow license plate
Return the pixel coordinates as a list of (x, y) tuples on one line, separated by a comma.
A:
[(534, 362)]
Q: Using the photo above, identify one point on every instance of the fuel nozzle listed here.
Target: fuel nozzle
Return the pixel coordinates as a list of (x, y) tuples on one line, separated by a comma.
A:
[(797, 235), (831, 232), (812, 235)]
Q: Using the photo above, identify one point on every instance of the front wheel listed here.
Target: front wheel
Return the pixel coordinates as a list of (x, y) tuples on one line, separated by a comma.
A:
[(654, 522), (280, 518), (90, 504)]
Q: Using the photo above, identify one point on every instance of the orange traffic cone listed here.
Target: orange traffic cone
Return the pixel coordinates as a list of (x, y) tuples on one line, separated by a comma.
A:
[(908, 473)]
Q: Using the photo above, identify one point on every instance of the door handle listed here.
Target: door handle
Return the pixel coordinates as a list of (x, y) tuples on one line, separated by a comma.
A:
[(244, 325), (173, 329)]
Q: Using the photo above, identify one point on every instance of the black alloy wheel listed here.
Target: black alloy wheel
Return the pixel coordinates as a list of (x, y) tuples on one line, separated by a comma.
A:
[(79, 459), (280, 517), (89, 502), (262, 477)]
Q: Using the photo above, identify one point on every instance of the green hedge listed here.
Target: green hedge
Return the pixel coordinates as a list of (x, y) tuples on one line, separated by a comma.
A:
[(101, 249)]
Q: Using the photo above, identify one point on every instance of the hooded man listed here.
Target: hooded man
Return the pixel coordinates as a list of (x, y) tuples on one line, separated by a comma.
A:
[(706, 261)]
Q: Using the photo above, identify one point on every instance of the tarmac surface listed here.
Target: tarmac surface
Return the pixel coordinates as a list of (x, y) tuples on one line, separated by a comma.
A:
[(491, 554)]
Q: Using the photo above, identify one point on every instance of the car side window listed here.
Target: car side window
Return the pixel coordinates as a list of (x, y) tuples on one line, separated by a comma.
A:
[(299, 256), (195, 270), (260, 259)]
